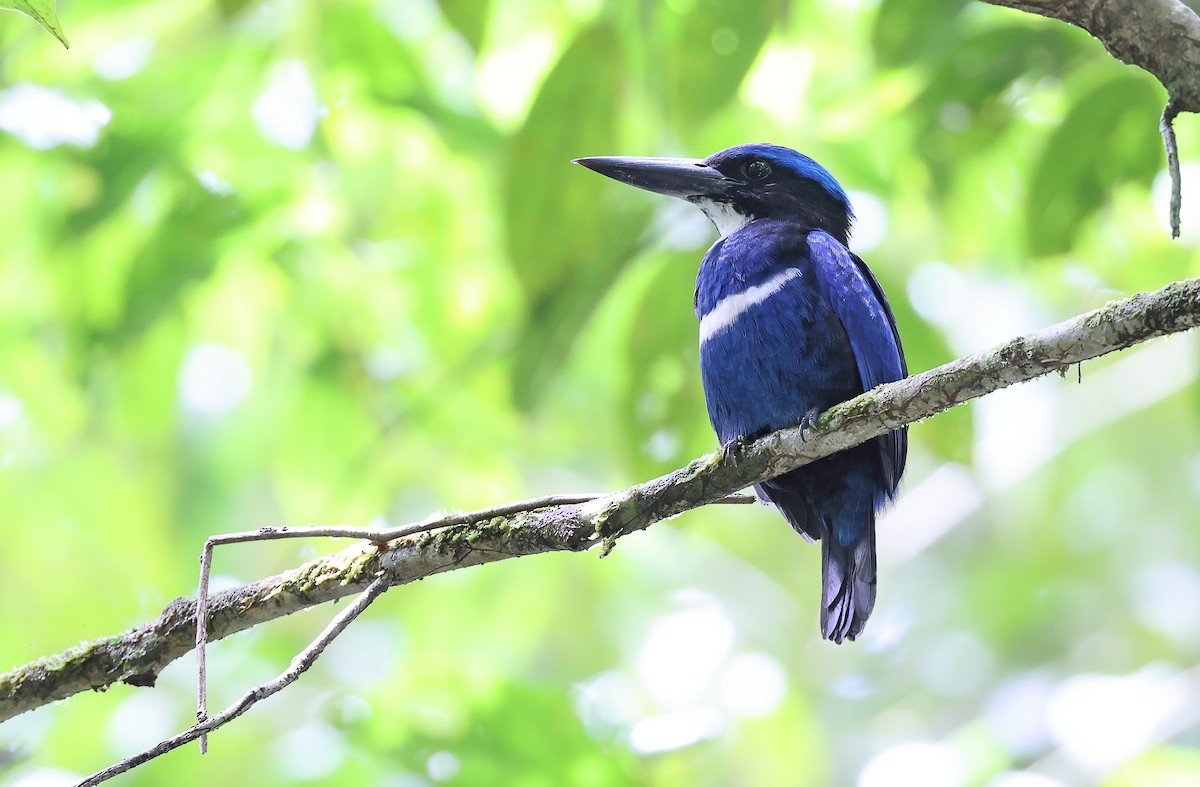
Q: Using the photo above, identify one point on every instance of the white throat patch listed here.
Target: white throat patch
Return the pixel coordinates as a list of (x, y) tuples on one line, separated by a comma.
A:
[(727, 310), (727, 218)]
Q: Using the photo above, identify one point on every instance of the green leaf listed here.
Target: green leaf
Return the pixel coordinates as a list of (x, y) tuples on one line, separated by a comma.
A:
[(566, 240), (468, 17), (965, 109), (985, 63), (911, 30), (42, 12), (1108, 137), (354, 40), (232, 8), (362, 49), (709, 52), (183, 251), (662, 401)]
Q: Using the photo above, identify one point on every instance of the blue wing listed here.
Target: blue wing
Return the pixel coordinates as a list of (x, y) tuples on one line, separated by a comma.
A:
[(858, 300), (790, 320)]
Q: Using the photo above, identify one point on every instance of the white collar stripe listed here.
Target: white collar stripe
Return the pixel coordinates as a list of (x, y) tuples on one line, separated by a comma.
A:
[(727, 310)]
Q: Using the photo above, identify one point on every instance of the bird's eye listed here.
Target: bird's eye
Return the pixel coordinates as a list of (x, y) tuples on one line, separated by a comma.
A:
[(757, 169)]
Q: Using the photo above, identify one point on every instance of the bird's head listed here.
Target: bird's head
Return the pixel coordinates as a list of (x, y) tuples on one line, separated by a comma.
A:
[(741, 184)]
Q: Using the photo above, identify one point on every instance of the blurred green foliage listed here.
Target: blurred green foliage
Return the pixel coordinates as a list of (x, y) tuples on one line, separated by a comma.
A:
[(285, 263)]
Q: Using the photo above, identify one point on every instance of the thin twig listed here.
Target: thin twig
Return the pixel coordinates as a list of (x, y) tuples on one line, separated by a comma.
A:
[(298, 667), (201, 640), (508, 509), (374, 534), (1166, 127), (378, 535)]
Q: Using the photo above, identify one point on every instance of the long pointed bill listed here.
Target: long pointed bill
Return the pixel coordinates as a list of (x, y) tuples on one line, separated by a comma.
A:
[(675, 177)]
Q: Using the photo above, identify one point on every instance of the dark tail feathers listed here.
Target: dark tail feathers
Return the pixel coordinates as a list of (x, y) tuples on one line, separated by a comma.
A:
[(847, 572), (848, 584)]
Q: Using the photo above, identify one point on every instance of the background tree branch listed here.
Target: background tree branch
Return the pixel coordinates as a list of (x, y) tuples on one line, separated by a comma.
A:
[(137, 656), (1160, 36)]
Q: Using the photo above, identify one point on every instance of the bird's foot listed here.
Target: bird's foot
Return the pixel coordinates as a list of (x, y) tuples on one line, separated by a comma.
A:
[(808, 423), (732, 450)]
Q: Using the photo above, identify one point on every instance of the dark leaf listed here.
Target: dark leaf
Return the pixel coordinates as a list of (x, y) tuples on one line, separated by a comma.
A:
[(1108, 137), (664, 402), (707, 53), (468, 17), (566, 239), (184, 250), (909, 30)]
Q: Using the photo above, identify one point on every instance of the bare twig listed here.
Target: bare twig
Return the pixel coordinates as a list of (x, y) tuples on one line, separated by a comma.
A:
[(137, 656), (1166, 127), (375, 535), (298, 667)]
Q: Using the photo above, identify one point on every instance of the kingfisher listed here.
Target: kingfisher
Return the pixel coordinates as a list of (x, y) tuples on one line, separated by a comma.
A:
[(791, 323)]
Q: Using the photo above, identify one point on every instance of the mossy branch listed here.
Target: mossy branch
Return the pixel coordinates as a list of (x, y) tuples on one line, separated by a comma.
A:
[(137, 656)]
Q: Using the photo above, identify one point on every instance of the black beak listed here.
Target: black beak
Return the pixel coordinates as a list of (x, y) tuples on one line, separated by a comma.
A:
[(676, 177)]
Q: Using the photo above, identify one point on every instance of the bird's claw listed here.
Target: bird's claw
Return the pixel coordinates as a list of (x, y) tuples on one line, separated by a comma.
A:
[(808, 423), (732, 450)]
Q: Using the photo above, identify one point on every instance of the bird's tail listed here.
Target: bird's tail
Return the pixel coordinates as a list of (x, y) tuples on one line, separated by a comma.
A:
[(845, 525), (848, 583)]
